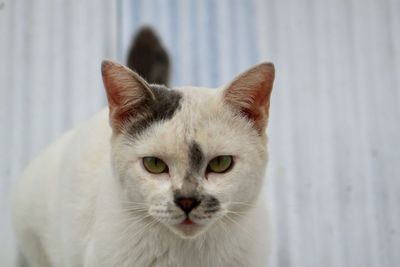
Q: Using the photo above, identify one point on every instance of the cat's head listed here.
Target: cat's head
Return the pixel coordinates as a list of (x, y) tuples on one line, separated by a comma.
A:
[(189, 157)]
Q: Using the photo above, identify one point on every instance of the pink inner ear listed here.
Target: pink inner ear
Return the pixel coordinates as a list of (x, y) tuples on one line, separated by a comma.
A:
[(114, 97), (126, 92), (258, 111), (113, 74), (250, 94)]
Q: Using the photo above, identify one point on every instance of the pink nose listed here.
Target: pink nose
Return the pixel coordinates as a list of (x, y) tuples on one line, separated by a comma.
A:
[(187, 204)]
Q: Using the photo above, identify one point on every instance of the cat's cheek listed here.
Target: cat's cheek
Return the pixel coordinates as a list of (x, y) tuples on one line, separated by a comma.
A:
[(222, 181), (216, 178), (154, 186)]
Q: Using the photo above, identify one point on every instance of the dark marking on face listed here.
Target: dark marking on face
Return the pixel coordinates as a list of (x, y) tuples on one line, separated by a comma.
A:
[(167, 101), (196, 157), (210, 211), (163, 107), (210, 203), (180, 194)]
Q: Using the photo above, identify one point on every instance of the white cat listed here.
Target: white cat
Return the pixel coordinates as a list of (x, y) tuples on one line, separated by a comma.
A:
[(175, 181)]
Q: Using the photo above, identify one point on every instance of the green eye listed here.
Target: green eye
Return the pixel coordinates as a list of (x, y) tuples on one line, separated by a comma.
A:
[(154, 165), (220, 164)]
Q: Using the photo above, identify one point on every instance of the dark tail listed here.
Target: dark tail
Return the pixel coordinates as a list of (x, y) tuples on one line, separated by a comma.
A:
[(148, 57), (21, 260)]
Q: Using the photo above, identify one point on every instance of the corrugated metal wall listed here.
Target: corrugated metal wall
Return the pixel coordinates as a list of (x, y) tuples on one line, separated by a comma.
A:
[(50, 55), (334, 174)]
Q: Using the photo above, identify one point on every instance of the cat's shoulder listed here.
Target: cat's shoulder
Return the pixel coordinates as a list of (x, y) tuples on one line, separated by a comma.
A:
[(89, 138)]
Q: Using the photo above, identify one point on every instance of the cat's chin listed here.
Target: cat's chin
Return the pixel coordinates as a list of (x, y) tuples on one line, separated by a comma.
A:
[(187, 231)]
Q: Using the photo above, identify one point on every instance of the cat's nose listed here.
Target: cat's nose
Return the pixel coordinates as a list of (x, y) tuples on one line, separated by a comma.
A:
[(187, 204)]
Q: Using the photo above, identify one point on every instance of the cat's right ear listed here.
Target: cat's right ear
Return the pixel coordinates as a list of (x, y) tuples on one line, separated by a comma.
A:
[(250, 93), (127, 93)]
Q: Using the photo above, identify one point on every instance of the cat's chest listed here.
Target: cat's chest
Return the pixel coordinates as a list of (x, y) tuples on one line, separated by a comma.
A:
[(176, 256), (160, 250)]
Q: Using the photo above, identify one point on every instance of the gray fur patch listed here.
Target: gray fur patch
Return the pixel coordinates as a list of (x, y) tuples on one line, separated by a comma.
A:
[(196, 157), (191, 194), (166, 103), (210, 203)]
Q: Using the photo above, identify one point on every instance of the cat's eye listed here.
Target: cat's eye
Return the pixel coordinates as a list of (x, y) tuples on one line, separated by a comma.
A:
[(220, 164), (154, 165)]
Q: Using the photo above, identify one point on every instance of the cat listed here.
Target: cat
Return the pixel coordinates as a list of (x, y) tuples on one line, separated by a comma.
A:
[(162, 177)]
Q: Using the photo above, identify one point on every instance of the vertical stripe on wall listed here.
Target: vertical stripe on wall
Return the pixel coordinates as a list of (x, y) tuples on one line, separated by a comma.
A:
[(212, 42)]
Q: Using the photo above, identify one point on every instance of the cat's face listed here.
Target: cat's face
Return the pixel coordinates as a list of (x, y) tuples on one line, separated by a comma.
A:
[(191, 156)]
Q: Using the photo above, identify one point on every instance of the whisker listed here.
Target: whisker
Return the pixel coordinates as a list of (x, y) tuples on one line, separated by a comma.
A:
[(238, 213), (134, 220), (133, 209), (248, 235), (242, 203), (224, 227), (130, 239), (124, 212), (134, 203), (237, 224)]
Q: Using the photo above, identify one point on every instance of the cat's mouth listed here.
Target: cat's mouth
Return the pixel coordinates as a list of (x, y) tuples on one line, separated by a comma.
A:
[(187, 221), (187, 228), (192, 225)]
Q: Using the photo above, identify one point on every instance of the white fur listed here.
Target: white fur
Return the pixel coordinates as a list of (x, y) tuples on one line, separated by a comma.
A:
[(69, 208)]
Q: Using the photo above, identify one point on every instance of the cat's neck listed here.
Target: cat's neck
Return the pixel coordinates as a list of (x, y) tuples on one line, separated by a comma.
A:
[(142, 235)]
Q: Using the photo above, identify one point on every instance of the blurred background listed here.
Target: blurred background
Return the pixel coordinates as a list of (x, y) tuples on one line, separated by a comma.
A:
[(334, 173)]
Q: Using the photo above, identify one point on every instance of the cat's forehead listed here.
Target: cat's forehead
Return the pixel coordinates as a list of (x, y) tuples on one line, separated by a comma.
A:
[(198, 97), (194, 91), (200, 118), (185, 101), (201, 111), (184, 116)]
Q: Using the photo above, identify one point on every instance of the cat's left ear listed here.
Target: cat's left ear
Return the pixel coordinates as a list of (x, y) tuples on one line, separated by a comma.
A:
[(250, 92)]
